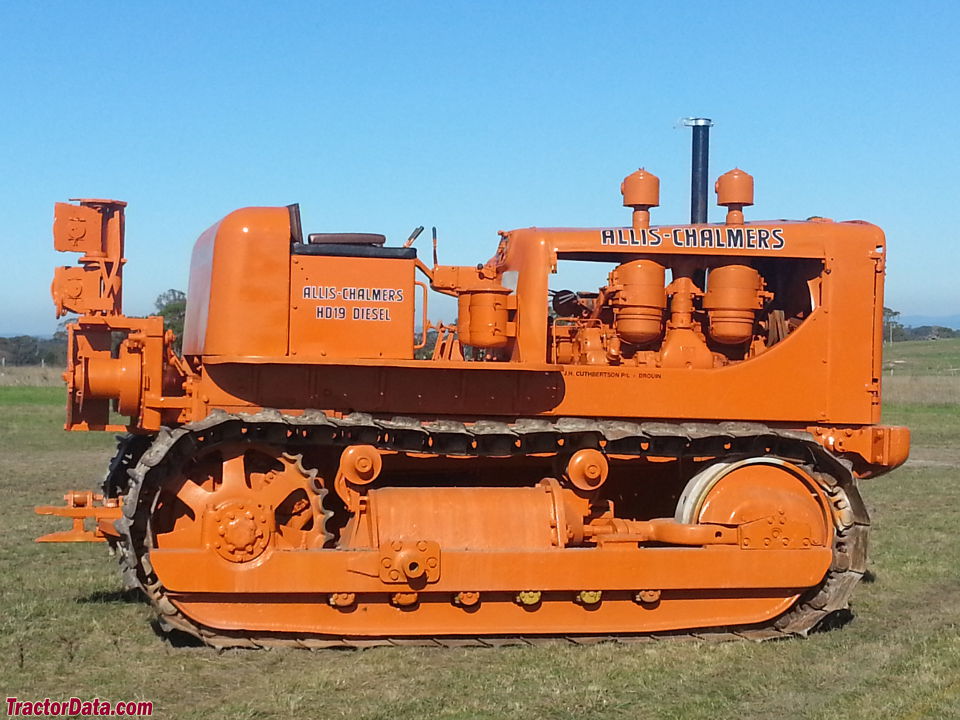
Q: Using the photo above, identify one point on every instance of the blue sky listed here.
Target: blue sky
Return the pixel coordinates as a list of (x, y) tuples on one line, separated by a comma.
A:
[(473, 117)]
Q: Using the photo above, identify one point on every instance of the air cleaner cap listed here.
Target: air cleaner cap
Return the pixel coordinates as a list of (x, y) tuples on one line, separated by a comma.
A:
[(734, 189), (641, 190)]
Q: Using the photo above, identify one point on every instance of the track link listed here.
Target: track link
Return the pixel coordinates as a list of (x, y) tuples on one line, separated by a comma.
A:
[(147, 467)]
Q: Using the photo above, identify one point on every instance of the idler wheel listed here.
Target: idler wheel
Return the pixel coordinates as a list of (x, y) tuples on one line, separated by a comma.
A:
[(784, 505)]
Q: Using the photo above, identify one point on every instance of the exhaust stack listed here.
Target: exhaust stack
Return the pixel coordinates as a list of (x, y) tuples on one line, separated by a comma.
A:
[(699, 167)]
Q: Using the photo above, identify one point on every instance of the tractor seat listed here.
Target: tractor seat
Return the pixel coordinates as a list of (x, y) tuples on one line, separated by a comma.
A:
[(346, 239)]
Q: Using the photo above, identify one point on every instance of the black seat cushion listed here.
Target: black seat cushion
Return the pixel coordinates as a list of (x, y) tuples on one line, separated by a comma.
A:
[(351, 250), (346, 239)]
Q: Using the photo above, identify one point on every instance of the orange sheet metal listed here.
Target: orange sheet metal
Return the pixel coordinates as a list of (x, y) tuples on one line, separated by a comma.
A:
[(375, 617), (325, 571)]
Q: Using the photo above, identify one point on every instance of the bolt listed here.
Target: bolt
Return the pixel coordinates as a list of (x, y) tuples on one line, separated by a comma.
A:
[(232, 515), (397, 546), (529, 597), (221, 529), (364, 464), (386, 562), (589, 597), (647, 597), (466, 598), (421, 545), (403, 599), (766, 542), (394, 574), (239, 506), (248, 515), (342, 599), (431, 562)]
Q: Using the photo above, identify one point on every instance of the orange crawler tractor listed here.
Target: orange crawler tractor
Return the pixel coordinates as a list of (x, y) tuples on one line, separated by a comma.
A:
[(675, 451)]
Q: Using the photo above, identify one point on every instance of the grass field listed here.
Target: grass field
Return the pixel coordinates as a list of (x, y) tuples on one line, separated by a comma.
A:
[(30, 376), (937, 357), (68, 631)]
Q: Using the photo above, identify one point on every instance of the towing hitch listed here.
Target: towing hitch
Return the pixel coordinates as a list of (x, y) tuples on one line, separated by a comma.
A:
[(82, 505)]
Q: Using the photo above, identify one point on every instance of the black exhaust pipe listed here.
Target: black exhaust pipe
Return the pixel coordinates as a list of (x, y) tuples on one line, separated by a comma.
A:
[(699, 168)]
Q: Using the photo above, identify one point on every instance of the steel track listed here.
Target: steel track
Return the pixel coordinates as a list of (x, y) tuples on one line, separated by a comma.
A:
[(146, 468)]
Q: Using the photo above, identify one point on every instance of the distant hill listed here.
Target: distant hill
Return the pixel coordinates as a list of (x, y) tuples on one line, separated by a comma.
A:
[(948, 321)]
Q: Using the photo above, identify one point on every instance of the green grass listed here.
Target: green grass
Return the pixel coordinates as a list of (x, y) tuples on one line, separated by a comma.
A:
[(930, 425), (32, 396), (65, 629), (923, 357)]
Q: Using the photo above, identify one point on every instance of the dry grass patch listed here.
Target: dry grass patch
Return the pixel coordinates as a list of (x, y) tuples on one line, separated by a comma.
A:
[(31, 375), (922, 389)]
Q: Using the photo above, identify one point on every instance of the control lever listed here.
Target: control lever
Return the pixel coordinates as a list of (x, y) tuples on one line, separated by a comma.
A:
[(413, 236)]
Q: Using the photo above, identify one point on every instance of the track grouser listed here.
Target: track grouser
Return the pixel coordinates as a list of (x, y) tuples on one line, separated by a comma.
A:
[(673, 447)]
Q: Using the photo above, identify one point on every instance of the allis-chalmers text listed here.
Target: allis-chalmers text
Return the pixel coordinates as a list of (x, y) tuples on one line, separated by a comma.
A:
[(733, 238)]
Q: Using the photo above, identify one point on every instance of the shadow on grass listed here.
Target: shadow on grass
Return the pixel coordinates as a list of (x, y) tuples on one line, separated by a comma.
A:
[(176, 638), (834, 621), (108, 597)]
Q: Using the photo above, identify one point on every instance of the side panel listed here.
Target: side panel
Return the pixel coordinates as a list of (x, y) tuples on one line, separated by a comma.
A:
[(351, 307), (420, 389), (853, 302), (829, 376)]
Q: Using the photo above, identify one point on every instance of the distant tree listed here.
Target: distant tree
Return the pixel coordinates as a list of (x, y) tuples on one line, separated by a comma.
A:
[(22, 350), (426, 352), (53, 353), (172, 306), (893, 331), (30, 350), (929, 332), (60, 335)]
